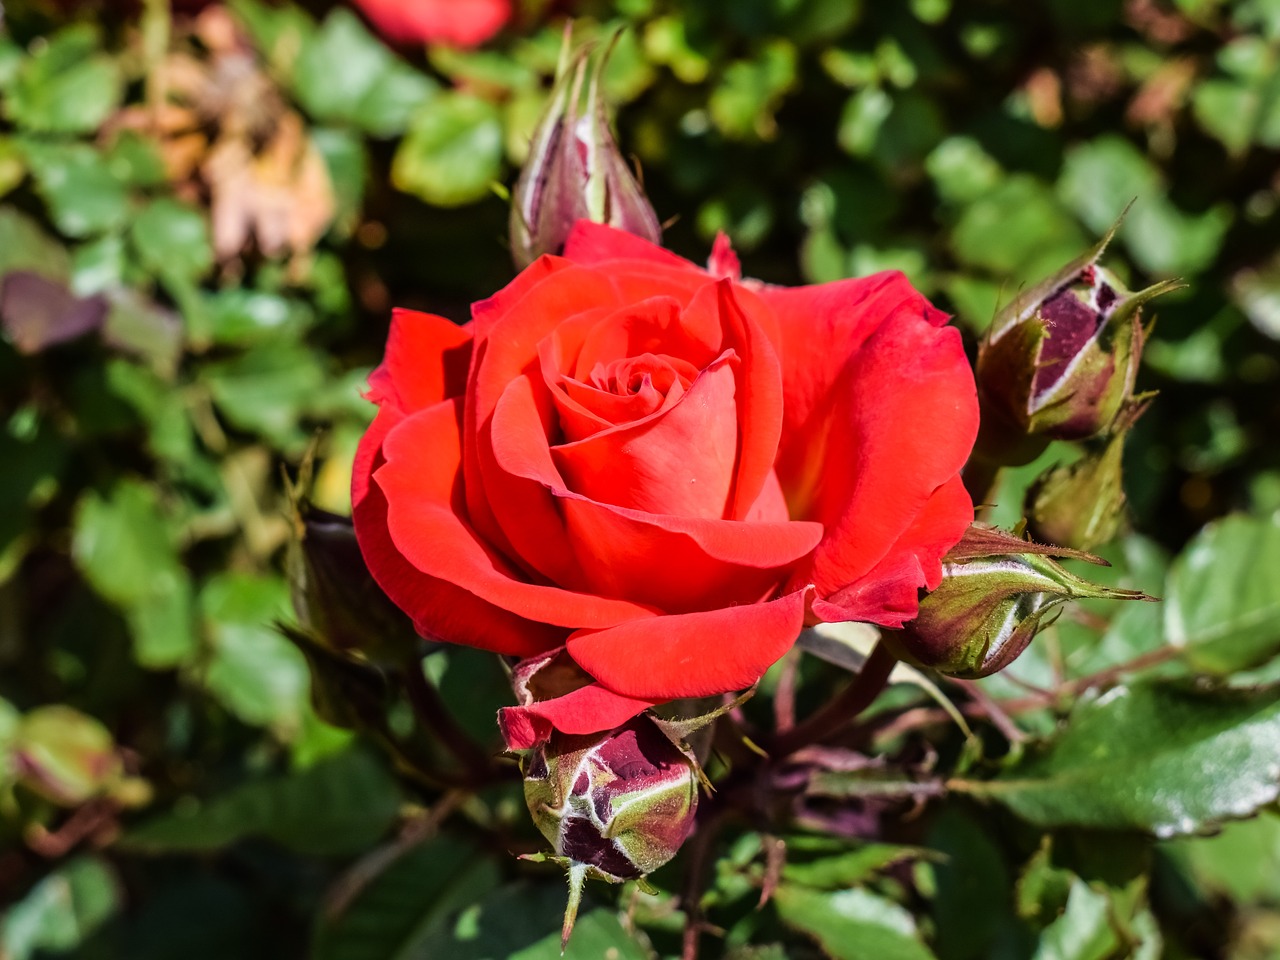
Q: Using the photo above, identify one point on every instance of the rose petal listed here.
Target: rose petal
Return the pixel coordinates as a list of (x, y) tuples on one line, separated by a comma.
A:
[(889, 593), (760, 400), (723, 262), (679, 462), (819, 330), (439, 609), (420, 481), (508, 349), (585, 410), (591, 243), (691, 655), (680, 564), (899, 425), (673, 563), (588, 709), (657, 325), (426, 361)]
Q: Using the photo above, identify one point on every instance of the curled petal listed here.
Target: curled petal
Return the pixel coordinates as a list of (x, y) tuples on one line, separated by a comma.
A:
[(898, 427), (424, 517), (588, 709), (693, 654)]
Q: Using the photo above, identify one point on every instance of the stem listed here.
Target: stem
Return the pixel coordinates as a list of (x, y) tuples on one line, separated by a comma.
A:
[(368, 868), (856, 697), (988, 705), (432, 714), (694, 881), (1072, 688)]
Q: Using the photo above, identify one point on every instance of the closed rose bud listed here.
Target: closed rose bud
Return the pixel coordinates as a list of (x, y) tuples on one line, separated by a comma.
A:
[(336, 599), (1082, 504), (995, 593), (1059, 362), (614, 806), (575, 171)]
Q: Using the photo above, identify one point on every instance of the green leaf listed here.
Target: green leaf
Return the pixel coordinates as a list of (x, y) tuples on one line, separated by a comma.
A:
[(846, 868), (138, 326), (1162, 758), (25, 246), (242, 317), (77, 183), (254, 671), (961, 170), (341, 805), (136, 161), (1240, 862), (61, 911), (266, 390), (348, 162), (170, 436), (67, 86), (172, 240), (743, 104), (1222, 604), (1101, 178), (522, 922), (452, 152), (408, 903), (852, 924), (1084, 930), (972, 905), (1018, 231), (126, 550), (343, 73), (13, 169)]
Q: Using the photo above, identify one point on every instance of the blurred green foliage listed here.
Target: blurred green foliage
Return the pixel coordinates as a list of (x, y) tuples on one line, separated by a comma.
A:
[(203, 225)]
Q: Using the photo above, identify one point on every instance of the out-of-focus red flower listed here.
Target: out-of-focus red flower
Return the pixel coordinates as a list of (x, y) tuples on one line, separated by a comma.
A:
[(459, 23)]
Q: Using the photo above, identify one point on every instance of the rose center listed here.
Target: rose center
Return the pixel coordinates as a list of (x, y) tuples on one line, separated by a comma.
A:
[(647, 373)]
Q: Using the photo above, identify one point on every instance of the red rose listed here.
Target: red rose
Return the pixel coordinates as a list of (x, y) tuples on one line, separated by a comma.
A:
[(459, 23), (663, 470)]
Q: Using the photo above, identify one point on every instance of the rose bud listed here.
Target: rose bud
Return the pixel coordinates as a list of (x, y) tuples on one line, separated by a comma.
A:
[(996, 591), (575, 171), (1082, 504), (615, 806), (1059, 362), (336, 599)]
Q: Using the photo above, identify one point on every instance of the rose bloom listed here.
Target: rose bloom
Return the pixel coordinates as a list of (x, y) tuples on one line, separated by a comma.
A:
[(666, 471), (459, 23)]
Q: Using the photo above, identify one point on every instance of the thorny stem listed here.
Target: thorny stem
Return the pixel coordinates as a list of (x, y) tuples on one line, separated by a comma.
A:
[(856, 697), (433, 714)]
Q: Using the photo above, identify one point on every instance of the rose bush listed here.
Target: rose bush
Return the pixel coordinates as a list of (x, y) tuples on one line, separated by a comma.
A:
[(665, 470)]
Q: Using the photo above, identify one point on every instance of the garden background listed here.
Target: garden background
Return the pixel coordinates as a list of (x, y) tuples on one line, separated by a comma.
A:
[(206, 215)]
